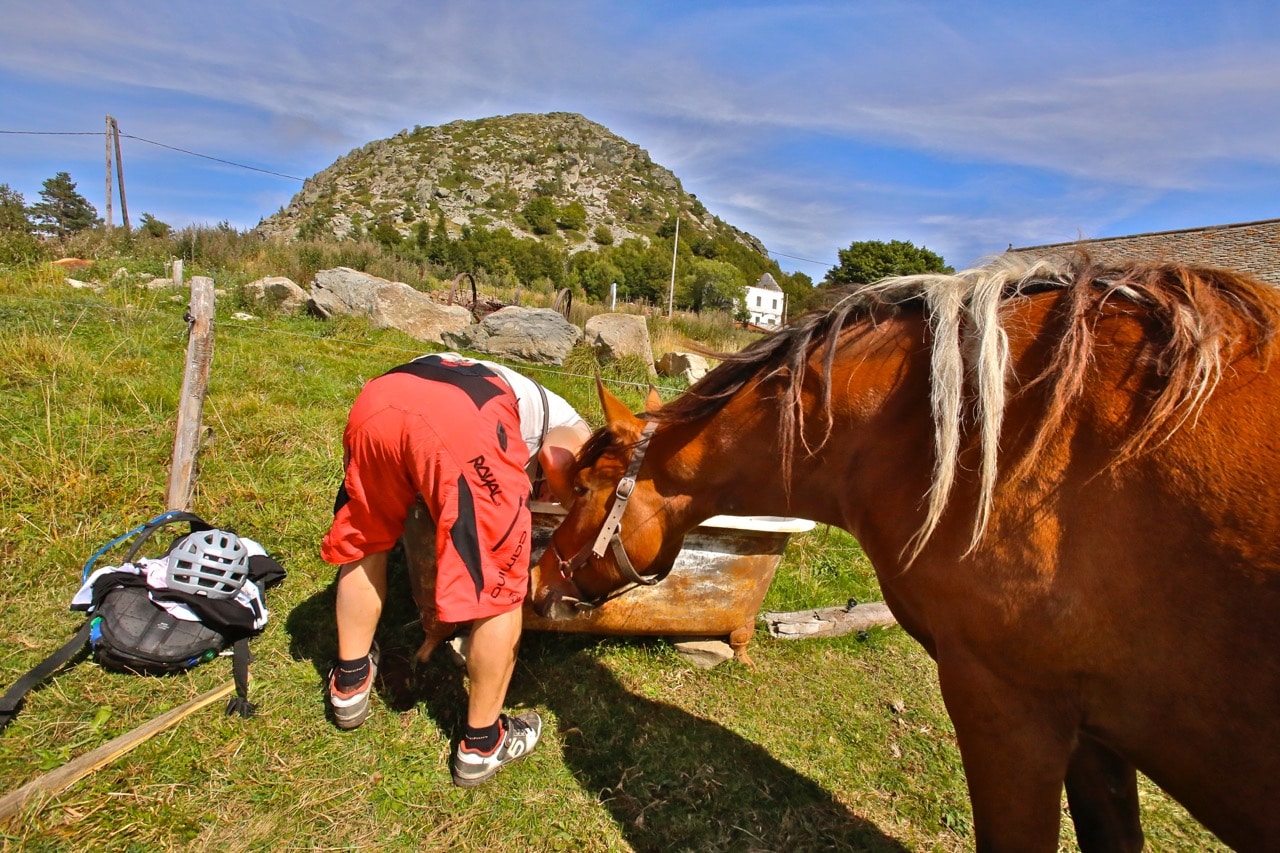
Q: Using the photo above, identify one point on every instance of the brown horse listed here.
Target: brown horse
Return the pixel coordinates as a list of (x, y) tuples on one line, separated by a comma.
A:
[(1067, 477)]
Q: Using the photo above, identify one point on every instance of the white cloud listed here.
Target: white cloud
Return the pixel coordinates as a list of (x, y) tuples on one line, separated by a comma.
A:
[(1109, 118)]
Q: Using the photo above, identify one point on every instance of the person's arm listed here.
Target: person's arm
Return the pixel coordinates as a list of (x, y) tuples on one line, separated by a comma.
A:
[(557, 456)]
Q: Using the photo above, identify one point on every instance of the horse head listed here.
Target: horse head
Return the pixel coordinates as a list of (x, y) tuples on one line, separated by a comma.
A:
[(615, 531)]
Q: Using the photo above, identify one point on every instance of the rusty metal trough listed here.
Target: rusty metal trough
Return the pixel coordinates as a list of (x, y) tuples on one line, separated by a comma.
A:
[(715, 588)]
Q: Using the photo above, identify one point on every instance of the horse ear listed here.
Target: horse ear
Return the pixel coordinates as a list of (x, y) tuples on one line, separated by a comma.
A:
[(653, 402), (615, 411)]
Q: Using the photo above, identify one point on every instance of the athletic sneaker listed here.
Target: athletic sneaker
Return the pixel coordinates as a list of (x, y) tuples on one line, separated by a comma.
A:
[(519, 738), (350, 708)]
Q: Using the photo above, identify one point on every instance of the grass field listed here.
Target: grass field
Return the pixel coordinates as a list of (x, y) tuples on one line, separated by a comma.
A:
[(837, 744)]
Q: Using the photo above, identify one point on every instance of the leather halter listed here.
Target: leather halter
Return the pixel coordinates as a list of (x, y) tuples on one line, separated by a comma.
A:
[(610, 535)]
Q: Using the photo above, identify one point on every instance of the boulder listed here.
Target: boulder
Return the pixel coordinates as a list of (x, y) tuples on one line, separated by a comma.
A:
[(277, 292), (533, 335), (688, 366), (705, 654), (387, 304), (614, 336)]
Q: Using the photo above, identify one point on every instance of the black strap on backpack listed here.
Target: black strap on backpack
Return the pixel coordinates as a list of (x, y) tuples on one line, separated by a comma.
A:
[(13, 697), (534, 468), (264, 571)]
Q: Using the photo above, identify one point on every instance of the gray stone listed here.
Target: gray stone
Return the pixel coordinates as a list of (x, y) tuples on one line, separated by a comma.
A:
[(614, 336), (705, 654), (278, 292), (387, 304), (688, 366), (534, 335)]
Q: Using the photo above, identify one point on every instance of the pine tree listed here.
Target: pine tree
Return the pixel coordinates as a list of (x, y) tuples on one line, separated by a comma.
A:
[(63, 211), (13, 212), (18, 242)]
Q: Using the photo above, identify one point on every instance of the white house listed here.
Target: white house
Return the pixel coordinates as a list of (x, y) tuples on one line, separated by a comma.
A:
[(766, 303)]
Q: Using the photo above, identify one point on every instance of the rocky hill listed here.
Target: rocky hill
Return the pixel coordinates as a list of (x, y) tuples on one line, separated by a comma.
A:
[(557, 177)]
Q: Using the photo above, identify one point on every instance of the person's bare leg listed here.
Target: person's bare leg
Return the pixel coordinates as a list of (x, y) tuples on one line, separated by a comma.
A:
[(491, 658), (362, 588)]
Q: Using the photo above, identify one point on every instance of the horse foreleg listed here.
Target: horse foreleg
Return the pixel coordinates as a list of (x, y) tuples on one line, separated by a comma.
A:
[(436, 633), (1015, 746), (1102, 790), (738, 640)]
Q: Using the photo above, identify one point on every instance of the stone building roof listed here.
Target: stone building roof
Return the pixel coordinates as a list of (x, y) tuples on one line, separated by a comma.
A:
[(1248, 246), (766, 282)]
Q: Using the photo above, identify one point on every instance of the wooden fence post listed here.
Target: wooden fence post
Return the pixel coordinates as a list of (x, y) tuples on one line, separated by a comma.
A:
[(195, 382)]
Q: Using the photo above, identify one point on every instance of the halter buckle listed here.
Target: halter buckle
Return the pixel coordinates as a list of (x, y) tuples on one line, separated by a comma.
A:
[(626, 486)]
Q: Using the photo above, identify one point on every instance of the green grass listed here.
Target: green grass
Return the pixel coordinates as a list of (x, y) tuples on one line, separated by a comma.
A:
[(832, 744)]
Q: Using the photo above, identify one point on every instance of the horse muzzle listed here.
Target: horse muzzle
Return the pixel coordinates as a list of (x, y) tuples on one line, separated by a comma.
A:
[(555, 596), (558, 607)]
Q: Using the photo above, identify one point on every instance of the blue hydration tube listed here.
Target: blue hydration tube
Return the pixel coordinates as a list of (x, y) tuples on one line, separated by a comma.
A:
[(159, 519)]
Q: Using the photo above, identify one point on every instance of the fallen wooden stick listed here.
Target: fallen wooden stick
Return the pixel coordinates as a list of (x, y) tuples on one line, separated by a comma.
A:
[(68, 774), (829, 621)]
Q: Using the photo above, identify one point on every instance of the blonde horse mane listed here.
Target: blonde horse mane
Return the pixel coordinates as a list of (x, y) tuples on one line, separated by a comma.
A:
[(970, 348), (1200, 313)]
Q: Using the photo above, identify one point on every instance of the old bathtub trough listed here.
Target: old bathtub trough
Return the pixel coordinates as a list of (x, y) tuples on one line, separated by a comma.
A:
[(715, 588)]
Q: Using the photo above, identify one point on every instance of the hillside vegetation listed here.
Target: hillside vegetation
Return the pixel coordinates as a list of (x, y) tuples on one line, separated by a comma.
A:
[(533, 197), (826, 744)]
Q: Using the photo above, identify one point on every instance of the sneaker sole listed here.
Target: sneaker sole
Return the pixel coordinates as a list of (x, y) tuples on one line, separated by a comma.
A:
[(348, 723), (473, 781), (347, 719)]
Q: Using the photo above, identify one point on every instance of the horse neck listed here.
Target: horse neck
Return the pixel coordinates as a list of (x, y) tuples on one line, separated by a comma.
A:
[(869, 458), (724, 464)]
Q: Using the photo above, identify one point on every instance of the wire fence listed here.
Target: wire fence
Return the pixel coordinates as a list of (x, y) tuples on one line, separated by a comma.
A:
[(247, 326)]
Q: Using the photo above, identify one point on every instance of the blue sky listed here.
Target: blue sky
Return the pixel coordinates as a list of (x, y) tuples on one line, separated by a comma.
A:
[(961, 127)]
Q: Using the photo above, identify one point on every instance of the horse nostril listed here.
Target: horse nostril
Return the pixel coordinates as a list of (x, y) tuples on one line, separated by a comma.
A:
[(557, 606)]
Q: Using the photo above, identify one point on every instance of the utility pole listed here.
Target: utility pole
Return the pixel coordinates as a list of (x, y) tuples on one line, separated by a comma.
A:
[(675, 246), (124, 207), (107, 136)]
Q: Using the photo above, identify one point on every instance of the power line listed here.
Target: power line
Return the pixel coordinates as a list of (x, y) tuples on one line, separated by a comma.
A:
[(152, 142), (215, 159), (806, 260)]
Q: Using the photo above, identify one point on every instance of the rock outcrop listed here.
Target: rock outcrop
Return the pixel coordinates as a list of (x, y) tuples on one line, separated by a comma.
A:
[(387, 304)]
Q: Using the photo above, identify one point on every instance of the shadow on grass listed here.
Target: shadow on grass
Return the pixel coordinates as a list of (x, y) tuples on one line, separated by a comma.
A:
[(402, 683), (673, 780), (670, 779)]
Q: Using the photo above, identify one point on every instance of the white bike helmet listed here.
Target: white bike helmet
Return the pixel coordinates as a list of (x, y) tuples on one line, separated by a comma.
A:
[(212, 563)]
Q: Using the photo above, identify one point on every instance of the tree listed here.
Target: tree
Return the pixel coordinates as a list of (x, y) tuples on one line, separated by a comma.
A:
[(17, 237), (871, 260), (573, 216), (63, 211), (801, 294), (386, 233), (594, 275), (540, 213), (712, 285), (13, 212), (153, 227)]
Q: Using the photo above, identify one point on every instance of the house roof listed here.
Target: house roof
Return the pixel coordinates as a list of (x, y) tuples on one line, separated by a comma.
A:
[(1246, 246), (766, 282)]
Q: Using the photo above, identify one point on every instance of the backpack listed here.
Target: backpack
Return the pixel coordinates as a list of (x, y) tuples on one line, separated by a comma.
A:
[(151, 629)]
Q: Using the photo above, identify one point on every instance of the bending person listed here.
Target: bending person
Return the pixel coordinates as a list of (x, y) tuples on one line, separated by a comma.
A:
[(461, 433)]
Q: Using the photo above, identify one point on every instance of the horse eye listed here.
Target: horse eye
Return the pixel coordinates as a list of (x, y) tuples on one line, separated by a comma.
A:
[(579, 489)]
